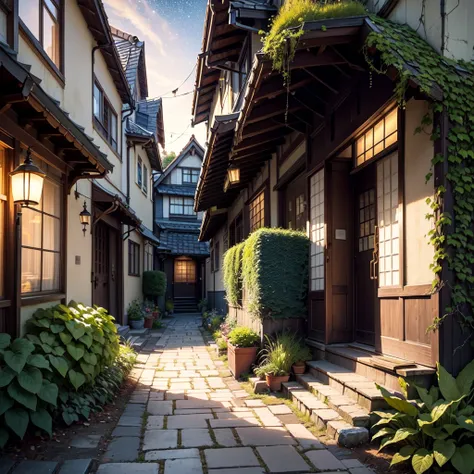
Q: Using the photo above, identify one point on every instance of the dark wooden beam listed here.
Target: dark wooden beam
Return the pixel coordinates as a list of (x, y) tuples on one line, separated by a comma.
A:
[(314, 76), (271, 108), (255, 129), (254, 149), (305, 59), (276, 88)]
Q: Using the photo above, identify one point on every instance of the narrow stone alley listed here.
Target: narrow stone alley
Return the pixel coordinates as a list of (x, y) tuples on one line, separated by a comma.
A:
[(186, 416)]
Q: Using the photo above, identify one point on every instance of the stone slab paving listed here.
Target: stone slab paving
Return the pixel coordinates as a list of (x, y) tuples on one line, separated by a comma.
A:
[(187, 416), (75, 466)]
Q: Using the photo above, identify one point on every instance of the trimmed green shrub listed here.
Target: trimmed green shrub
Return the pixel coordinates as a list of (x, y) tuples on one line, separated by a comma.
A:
[(436, 432), (243, 337), (275, 273), (232, 267), (154, 284)]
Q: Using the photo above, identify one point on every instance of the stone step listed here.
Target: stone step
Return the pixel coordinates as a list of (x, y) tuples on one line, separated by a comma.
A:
[(325, 417), (347, 408), (136, 341), (346, 382)]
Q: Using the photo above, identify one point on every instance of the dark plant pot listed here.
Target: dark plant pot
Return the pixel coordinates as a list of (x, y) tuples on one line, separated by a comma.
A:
[(156, 315), (299, 368), (148, 323), (274, 381), (137, 323), (240, 359)]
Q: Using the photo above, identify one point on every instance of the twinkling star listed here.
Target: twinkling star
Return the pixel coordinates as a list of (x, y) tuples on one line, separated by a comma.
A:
[(172, 32)]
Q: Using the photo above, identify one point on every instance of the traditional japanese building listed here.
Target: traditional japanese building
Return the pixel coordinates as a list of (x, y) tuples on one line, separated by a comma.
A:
[(180, 254)]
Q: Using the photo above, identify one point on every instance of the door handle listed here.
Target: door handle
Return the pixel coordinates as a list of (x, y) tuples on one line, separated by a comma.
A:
[(96, 282), (375, 255)]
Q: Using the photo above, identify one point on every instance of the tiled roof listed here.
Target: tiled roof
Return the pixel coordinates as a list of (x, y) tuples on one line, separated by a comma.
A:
[(167, 224), (149, 115), (149, 235), (135, 129), (132, 56), (176, 189), (183, 243)]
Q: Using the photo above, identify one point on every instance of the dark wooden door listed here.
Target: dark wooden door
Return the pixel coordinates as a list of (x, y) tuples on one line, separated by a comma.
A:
[(365, 271), (185, 278), (105, 279)]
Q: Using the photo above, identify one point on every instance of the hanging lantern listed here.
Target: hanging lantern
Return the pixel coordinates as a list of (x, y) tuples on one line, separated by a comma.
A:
[(233, 173), (27, 182), (85, 217)]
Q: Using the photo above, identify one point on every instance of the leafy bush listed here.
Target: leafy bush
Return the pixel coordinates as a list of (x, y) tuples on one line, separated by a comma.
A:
[(76, 405), (169, 305), (439, 428), (243, 337), (154, 284), (228, 324), (203, 305), (232, 267), (135, 310), (275, 273), (280, 354), (294, 13), (27, 393), (221, 343)]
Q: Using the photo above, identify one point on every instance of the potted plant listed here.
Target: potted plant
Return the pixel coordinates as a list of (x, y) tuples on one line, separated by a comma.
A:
[(202, 305), (169, 306), (302, 354), (241, 350), (221, 346), (277, 358), (135, 315), (148, 308)]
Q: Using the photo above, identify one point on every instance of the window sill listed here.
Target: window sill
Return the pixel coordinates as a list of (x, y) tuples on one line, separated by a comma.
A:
[(405, 291), (41, 298), (106, 140), (133, 275), (40, 52)]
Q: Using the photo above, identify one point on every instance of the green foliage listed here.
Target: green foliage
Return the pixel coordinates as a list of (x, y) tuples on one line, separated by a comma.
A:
[(154, 284), (227, 325), (279, 44), (452, 235), (135, 310), (79, 405), (432, 431), (243, 337), (26, 393), (203, 304), (167, 158), (280, 353), (169, 305), (221, 343), (232, 267), (275, 273)]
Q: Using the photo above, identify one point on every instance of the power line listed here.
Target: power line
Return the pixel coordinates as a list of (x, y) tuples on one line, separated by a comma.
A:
[(178, 95), (174, 91), (184, 131)]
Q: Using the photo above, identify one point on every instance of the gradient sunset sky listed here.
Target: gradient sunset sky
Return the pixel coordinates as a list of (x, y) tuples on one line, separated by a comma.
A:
[(172, 31)]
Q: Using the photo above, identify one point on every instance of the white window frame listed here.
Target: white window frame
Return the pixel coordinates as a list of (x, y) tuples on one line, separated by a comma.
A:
[(317, 232)]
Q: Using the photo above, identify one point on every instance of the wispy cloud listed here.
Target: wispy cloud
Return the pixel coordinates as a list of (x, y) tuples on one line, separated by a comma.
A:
[(167, 63)]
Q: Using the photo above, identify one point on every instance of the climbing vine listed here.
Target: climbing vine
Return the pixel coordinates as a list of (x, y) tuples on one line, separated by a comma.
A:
[(398, 46), (452, 235)]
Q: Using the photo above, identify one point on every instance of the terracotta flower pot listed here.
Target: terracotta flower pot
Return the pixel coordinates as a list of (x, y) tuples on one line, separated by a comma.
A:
[(156, 315), (240, 359), (274, 381), (148, 323), (299, 368)]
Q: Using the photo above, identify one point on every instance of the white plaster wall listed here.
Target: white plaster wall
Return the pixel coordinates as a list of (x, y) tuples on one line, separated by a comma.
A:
[(273, 194), (418, 155), (166, 206), (132, 284), (216, 278), (191, 161), (293, 158), (28, 311), (79, 275), (236, 207), (139, 202)]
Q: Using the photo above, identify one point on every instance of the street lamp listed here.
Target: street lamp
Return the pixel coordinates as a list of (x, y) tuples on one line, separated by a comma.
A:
[(27, 182), (85, 217)]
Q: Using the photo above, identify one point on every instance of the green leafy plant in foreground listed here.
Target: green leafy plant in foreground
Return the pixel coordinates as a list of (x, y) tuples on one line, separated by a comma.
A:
[(435, 432), (27, 394)]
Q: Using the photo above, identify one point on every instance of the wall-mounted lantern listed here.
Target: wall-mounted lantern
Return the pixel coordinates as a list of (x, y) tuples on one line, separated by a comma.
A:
[(233, 173), (27, 182), (85, 217)]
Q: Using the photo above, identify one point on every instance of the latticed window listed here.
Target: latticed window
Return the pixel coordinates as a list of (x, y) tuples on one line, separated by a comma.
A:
[(388, 221), (184, 270), (133, 258), (41, 242), (182, 206), (257, 212), (317, 231), (190, 175), (377, 138)]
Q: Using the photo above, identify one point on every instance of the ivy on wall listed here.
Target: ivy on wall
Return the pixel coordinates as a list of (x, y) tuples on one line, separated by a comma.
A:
[(272, 266), (452, 235)]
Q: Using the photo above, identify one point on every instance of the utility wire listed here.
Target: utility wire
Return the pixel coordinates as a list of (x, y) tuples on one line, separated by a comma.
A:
[(177, 138)]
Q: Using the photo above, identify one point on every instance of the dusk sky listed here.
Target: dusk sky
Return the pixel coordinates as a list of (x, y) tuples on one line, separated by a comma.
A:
[(172, 31)]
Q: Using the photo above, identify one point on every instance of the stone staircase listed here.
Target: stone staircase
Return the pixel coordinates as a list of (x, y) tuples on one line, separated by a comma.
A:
[(185, 305)]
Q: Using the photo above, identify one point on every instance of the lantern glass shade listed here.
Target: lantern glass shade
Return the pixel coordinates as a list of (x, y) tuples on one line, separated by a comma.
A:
[(85, 217), (27, 183), (234, 175)]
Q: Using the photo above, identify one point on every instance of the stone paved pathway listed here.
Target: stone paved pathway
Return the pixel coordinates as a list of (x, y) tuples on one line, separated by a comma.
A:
[(187, 416)]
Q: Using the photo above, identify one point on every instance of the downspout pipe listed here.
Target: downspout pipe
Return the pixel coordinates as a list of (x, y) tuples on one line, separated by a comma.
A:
[(443, 26)]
